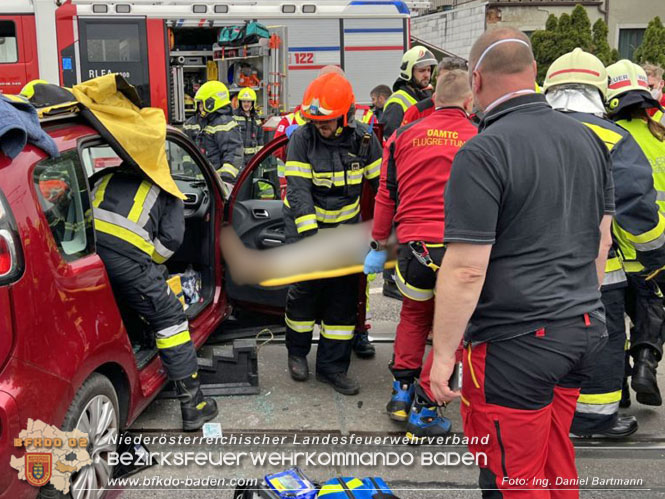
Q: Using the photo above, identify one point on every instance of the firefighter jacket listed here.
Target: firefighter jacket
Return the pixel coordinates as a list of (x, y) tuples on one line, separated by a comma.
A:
[(404, 96), (364, 114), (324, 177), (294, 118), (192, 128), (251, 132), (654, 150), (222, 143), (638, 228), (136, 218), (416, 167)]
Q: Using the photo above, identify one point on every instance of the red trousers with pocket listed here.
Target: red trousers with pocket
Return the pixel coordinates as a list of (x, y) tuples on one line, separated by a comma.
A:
[(414, 326), (520, 395)]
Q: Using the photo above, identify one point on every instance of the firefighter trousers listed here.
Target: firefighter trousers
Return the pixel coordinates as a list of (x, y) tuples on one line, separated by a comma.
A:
[(528, 385), (143, 288), (644, 305), (333, 303), (416, 282), (598, 405)]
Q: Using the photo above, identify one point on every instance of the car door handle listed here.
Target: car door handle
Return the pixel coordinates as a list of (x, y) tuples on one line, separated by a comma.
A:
[(271, 243), (260, 213)]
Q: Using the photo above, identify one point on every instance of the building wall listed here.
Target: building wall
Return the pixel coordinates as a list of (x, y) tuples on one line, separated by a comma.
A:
[(531, 18), (456, 29), (453, 30)]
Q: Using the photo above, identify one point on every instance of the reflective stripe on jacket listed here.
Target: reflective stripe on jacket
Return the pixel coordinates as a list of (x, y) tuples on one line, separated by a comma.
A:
[(404, 96), (251, 132), (222, 143), (324, 177), (659, 116), (638, 229), (654, 150), (393, 111), (136, 218), (192, 128)]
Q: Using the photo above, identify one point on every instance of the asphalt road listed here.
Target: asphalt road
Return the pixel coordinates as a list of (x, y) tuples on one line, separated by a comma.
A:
[(294, 412)]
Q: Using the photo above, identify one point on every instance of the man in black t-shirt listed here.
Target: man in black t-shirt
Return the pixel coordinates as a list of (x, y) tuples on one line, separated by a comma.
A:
[(528, 212)]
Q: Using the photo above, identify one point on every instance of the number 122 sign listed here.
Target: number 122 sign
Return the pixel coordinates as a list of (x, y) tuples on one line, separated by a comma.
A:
[(303, 57)]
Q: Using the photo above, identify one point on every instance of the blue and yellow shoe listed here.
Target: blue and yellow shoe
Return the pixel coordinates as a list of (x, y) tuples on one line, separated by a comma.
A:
[(424, 421), (401, 400)]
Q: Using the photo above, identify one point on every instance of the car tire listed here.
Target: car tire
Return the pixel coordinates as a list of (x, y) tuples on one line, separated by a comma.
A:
[(95, 402)]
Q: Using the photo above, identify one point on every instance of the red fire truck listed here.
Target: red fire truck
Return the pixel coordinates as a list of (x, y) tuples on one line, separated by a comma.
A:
[(166, 49)]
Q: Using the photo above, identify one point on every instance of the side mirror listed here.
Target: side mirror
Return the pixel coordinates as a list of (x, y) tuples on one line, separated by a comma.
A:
[(264, 189)]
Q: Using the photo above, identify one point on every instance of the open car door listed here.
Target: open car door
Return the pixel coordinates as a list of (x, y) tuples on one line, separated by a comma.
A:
[(254, 210)]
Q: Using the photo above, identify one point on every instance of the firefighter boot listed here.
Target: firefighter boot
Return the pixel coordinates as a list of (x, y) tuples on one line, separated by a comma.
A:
[(195, 409), (624, 403), (424, 421), (362, 346), (644, 378), (624, 426), (401, 400), (298, 368), (340, 382)]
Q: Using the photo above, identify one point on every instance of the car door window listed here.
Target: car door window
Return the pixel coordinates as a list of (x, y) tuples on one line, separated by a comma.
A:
[(264, 180), (101, 156), (63, 195), (181, 162)]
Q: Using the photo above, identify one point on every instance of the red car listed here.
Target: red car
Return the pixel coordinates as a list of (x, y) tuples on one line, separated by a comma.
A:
[(67, 357)]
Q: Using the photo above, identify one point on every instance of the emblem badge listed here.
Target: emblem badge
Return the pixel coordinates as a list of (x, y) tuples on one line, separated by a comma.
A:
[(37, 468)]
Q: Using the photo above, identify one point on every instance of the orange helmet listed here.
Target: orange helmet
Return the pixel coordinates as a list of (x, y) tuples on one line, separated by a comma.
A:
[(328, 97)]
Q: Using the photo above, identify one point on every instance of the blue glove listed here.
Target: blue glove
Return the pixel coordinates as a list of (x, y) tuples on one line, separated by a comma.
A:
[(290, 129), (374, 261)]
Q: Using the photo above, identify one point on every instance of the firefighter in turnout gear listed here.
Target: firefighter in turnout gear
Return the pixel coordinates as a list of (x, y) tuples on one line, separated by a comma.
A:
[(425, 107), (220, 137), (138, 226), (192, 126), (250, 124), (629, 102), (413, 85), (576, 84), (416, 166), (328, 161)]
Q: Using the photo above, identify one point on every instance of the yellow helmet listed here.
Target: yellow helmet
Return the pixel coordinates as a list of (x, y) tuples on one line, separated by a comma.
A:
[(247, 94), (29, 89), (417, 56), (577, 66), (213, 95), (625, 76)]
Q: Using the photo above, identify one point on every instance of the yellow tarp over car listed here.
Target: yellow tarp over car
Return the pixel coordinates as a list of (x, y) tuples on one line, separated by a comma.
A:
[(140, 132)]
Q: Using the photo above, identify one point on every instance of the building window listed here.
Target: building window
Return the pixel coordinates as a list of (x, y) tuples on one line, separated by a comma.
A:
[(8, 46), (629, 41), (63, 195)]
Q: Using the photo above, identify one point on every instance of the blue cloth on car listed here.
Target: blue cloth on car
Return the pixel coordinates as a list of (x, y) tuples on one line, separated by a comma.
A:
[(19, 125)]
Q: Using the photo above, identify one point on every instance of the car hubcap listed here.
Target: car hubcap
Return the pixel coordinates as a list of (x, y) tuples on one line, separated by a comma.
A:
[(100, 421)]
